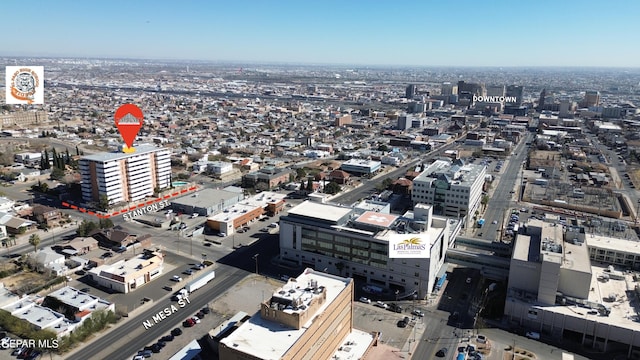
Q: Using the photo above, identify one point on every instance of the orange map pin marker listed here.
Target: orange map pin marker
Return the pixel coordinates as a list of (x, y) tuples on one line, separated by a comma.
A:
[(128, 121)]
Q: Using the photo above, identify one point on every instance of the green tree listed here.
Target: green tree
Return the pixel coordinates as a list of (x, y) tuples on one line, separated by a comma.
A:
[(105, 223), (383, 148), (332, 188), (56, 174), (301, 173), (86, 227), (34, 240), (310, 185), (103, 202)]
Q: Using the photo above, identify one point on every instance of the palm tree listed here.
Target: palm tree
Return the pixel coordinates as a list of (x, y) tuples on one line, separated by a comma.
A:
[(34, 240)]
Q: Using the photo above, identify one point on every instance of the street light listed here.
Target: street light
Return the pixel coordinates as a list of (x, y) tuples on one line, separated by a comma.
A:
[(255, 257)]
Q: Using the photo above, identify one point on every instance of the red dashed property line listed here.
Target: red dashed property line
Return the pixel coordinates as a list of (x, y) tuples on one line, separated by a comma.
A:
[(124, 211)]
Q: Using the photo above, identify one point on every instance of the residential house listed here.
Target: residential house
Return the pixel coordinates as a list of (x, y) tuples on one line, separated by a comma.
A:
[(48, 259), (46, 215)]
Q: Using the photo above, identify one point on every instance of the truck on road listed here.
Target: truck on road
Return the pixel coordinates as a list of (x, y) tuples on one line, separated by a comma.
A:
[(200, 281)]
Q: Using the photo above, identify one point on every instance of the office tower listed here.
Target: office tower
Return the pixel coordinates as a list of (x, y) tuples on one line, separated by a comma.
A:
[(448, 89), (453, 189), (515, 91), (308, 318), (591, 98), (495, 90), (124, 177), (543, 94), (469, 90), (411, 91)]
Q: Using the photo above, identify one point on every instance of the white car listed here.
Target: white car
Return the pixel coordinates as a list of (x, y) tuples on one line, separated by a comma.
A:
[(176, 278), (380, 304), (494, 222), (365, 300), (196, 319)]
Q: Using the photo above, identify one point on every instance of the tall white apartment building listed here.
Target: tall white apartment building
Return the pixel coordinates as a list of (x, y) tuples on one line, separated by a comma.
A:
[(452, 188), (125, 177)]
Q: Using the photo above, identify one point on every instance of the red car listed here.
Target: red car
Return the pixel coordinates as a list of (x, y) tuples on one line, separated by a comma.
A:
[(189, 323)]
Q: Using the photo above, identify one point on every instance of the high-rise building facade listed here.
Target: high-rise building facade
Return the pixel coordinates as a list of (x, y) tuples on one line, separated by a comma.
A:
[(309, 318), (411, 91), (516, 91), (448, 89), (452, 188), (125, 177), (355, 242), (591, 98), (495, 90)]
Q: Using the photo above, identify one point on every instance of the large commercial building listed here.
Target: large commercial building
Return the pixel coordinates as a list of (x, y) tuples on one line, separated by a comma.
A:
[(361, 167), (555, 290), (516, 91), (309, 318), (127, 275), (359, 242), (125, 177), (453, 188)]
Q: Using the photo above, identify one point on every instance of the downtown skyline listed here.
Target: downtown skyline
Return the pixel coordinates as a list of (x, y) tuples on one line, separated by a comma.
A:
[(411, 33)]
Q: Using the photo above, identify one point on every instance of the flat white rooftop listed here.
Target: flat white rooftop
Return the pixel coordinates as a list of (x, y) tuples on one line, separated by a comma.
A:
[(326, 212), (611, 243), (270, 340), (112, 156), (354, 346), (78, 299), (622, 315)]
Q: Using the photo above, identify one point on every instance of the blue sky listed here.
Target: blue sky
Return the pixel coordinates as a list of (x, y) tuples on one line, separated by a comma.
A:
[(374, 32)]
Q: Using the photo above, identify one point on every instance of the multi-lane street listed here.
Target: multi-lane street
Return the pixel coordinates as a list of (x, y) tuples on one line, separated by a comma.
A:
[(505, 193), (131, 335)]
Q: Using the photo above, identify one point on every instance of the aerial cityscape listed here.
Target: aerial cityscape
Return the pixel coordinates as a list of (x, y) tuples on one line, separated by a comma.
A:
[(320, 181)]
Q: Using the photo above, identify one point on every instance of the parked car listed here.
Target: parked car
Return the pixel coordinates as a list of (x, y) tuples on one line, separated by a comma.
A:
[(188, 272), (401, 324), (418, 313), (176, 278), (365, 300), (145, 353), (380, 304), (205, 310), (442, 352), (176, 332), (395, 307), (167, 338)]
